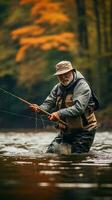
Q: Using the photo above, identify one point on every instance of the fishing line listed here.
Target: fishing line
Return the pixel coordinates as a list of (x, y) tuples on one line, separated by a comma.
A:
[(36, 119), (29, 104), (42, 120), (26, 116), (16, 114)]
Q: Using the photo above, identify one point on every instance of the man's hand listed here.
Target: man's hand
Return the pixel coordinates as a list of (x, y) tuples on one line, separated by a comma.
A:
[(54, 116), (35, 107), (61, 126)]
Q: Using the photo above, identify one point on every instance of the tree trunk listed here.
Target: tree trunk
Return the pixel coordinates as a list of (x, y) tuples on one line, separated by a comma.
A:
[(104, 18), (82, 25), (98, 27), (110, 24)]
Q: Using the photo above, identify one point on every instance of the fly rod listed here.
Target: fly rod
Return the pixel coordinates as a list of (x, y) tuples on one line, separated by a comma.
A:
[(29, 104)]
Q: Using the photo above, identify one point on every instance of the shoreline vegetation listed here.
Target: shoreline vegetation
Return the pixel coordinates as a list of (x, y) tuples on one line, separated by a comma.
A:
[(34, 40), (104, 118)]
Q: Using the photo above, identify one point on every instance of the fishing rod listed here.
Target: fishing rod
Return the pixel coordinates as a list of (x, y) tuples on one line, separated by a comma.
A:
[(29, 104)]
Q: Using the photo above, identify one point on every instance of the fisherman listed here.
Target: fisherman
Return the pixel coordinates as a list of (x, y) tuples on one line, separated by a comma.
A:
[(73, 101)]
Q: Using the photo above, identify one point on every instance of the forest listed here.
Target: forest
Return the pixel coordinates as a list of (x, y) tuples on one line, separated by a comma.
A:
[(35, 35)]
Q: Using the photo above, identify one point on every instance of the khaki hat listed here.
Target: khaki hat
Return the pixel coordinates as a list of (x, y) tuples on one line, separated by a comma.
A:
[(63, 67)]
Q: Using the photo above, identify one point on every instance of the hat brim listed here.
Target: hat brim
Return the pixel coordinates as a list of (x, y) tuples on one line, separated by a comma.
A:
[(63, 72)]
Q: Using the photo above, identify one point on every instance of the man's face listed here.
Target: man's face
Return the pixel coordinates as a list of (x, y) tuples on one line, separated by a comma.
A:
[(65, 78)]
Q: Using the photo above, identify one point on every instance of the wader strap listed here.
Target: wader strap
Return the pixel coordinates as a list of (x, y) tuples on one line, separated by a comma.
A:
[(84, 120)]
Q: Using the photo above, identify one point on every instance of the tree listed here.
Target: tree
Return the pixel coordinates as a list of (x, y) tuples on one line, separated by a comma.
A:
[(45, 31), (82, 24), (98, 23)]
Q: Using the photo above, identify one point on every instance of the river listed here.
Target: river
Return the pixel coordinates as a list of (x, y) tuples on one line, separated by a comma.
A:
[(26, 172)]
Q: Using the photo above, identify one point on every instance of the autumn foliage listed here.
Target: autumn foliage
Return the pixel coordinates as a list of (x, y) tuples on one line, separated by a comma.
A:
[(47, 31)]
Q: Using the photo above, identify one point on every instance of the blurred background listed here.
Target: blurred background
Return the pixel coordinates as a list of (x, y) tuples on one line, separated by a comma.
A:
[(35, 35)]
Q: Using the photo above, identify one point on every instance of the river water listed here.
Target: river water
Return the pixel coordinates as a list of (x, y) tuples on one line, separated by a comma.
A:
[(26, 172)]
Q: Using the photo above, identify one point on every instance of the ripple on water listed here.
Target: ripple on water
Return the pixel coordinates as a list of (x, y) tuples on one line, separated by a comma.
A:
[(26, 170), (76, 185), (35, 144)]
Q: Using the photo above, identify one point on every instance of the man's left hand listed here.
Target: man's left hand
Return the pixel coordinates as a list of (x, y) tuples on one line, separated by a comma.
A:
[(54, 116), (61, 126)]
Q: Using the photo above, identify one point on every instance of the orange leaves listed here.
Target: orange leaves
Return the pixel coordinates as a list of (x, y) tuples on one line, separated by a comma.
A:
[(32, 30), (63, 38), (50, 12), (21, 53), (52, 18), (60, 41), (45, 33), (45, 6)]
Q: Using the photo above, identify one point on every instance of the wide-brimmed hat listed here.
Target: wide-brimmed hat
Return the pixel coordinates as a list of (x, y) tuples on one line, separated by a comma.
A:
[(63, 67)]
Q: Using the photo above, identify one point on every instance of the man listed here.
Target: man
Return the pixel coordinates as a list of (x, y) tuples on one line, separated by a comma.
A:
[(74, 103)]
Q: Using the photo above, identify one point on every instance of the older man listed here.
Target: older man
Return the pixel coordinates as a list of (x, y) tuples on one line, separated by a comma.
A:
[(74, 103)]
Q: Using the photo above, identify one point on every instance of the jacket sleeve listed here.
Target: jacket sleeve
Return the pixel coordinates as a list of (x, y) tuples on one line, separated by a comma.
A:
[(81, 97), (50, 101)]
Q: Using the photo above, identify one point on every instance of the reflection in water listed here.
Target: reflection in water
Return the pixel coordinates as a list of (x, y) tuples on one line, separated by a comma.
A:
[(26, 172)]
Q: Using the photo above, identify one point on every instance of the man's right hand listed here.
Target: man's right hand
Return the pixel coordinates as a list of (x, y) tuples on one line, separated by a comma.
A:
[(35, 107)]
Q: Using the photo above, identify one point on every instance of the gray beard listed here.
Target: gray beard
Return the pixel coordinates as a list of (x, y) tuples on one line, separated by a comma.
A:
[(68, 81)]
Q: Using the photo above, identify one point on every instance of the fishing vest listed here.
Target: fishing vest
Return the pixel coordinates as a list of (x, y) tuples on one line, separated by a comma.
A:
[(87, 120)]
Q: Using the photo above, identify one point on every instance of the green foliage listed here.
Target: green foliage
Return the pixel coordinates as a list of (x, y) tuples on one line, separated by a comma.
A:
[(4, 6), (91, 52)]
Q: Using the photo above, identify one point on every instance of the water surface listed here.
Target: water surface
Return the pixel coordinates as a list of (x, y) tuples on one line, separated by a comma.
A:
[(26, 172)]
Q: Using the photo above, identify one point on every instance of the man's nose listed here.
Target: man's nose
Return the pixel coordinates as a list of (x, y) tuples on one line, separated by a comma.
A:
[(63, 75)]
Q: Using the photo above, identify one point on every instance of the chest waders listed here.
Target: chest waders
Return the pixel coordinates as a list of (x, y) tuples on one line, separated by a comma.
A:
[(75, 139)]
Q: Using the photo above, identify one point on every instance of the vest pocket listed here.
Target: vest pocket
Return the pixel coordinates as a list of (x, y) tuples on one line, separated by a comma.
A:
[(89, 120)]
